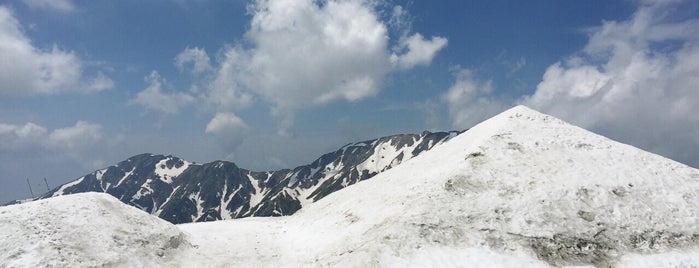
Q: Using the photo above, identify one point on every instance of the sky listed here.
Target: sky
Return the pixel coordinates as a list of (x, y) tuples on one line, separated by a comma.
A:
[(272, 84)]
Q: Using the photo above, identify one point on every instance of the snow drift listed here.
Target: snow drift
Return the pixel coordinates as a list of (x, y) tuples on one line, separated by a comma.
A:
[(520, 189), (85, 230)]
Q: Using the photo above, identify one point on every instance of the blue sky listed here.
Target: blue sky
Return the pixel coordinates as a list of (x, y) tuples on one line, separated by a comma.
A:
[(275, 84)]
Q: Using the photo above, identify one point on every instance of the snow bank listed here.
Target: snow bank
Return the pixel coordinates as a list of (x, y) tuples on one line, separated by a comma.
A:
[(85, 230)]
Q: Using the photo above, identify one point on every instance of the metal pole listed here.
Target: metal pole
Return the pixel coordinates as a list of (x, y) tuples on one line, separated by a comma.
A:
[(47, 185), (30, 188)]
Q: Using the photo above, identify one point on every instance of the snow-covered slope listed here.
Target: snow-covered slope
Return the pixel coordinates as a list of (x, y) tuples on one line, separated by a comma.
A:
[(86, 230), (522, 189)]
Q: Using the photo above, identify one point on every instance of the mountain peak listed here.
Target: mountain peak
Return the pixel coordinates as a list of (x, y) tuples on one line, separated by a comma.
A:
[(526, 182)]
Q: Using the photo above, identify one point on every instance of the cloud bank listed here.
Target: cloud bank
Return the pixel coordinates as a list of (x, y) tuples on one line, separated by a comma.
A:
[(28, 70), (71, 139)]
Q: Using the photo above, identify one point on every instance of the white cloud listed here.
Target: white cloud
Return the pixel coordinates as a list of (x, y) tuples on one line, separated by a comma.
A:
[(197, 57), (17, 136), (469, 100), (54, 5), (401, 20), (27, 70), (74, 137), (153, 97), (225, 123), (100, 82), (298, 55), (307, 53), (635, 81), (419, 51), (79, 136), (229, 129), (31, 136), (310, 54), (225, 90)]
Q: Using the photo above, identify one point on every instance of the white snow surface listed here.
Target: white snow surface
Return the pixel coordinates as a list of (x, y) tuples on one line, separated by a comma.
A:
[(168, 174), (65, 186), (85, 230), (502, 194)]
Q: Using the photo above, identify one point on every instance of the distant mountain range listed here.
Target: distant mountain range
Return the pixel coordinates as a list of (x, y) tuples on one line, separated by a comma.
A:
[(180, 191)]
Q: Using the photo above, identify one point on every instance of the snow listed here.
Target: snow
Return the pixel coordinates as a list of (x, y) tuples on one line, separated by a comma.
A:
[(126, 176), (143, 191), (168, 174), (679, 259), (68, 185), (522, 189), (100, 173), (196, 198), (256, 197), (85, 230), (384, 156)]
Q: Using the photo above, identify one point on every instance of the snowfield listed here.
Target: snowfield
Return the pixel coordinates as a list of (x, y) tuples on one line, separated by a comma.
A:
[(522, 189), (86, 230)]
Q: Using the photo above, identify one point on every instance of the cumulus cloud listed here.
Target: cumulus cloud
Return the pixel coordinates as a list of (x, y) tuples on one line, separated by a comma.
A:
[(228, 129), (469, 100), (198, 58), (225, 91), (28, 70), (635, 81), (31, 136), (53, 5), (297, 55), (401, 20), (75, 137), (154, 98), (307, 53), (419, 51), (17, 136), (225, 123)]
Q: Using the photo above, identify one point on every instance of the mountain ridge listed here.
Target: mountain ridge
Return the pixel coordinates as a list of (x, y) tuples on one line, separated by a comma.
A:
[(180, 191)]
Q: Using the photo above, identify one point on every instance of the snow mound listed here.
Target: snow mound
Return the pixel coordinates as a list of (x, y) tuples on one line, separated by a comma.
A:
[(521, 188), (85, 230)]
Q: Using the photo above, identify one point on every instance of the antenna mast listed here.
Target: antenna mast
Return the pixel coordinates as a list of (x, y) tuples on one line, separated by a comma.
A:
[(30, 188), (47, 185)]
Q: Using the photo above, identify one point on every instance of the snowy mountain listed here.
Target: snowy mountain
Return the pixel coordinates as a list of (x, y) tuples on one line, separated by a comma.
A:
[(522, 189), (180, 191)]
